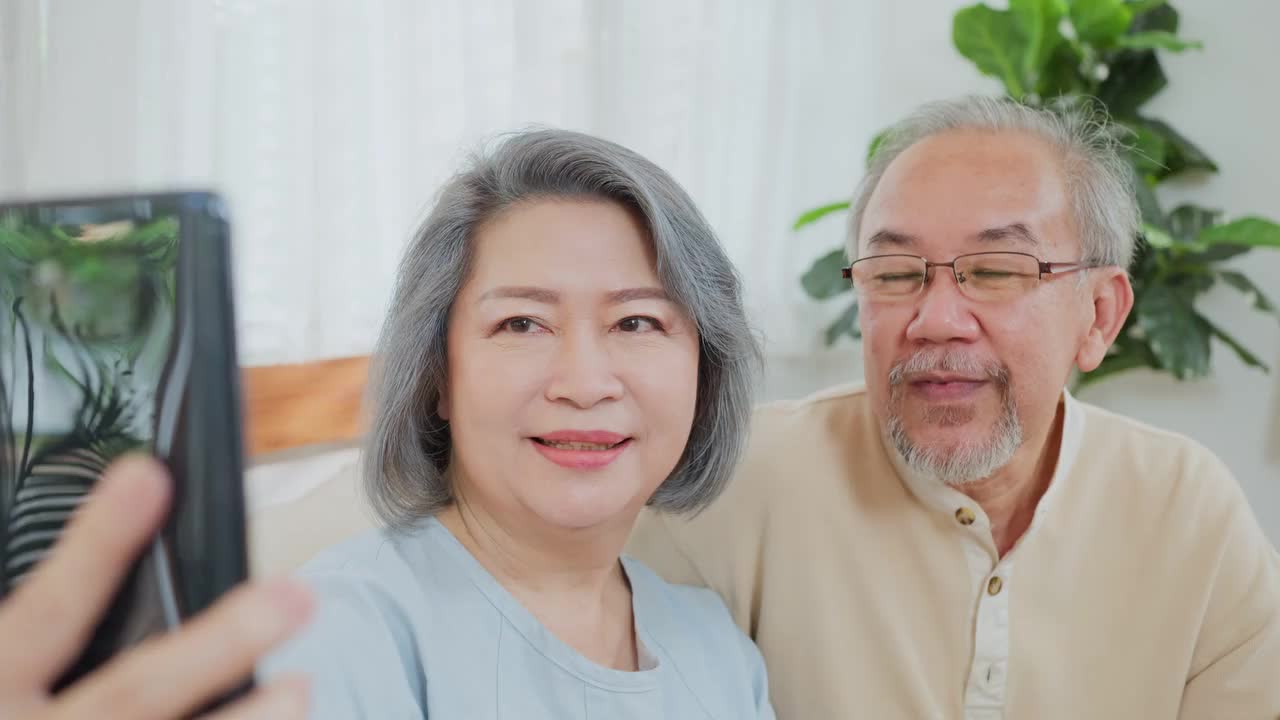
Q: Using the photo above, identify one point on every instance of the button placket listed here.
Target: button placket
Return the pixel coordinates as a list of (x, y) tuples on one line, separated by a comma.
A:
[(985, 691)]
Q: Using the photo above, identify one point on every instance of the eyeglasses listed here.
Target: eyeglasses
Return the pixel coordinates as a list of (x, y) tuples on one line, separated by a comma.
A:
[(984, 277)]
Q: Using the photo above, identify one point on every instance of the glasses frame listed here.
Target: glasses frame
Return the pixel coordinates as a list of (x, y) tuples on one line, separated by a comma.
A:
[(1045, 268)]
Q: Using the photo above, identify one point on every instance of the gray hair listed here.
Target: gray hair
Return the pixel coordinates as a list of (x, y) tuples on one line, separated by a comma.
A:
[(1099, 179), (408, 448)]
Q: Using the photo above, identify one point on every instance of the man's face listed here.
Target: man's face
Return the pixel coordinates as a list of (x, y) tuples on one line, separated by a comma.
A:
[(958, 382)]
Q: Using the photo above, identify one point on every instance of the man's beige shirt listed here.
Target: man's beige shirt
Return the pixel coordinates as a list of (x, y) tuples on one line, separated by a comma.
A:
[(1143, 589)]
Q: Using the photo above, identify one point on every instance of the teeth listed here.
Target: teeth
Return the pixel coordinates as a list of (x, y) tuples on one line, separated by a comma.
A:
[(576, 445)]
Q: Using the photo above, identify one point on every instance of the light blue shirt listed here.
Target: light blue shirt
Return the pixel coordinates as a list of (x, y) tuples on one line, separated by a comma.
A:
[(410, 625)]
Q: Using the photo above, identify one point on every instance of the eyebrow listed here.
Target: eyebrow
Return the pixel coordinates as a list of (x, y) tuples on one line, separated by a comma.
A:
[(551, 297), (1015, 231), (619, 297), (891, 237), (522, 292)]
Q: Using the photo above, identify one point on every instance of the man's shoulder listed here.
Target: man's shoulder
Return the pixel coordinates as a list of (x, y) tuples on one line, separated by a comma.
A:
[(1113, 435), (839, 405), (1157, 467), (801, 451)]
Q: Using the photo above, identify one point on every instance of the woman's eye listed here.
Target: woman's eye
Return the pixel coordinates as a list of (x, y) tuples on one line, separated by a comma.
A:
[(638, 324), (520, 326)]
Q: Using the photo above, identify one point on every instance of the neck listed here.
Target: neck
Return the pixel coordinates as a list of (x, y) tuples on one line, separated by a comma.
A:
[(572, 581), (1010, 496), (533, 557)]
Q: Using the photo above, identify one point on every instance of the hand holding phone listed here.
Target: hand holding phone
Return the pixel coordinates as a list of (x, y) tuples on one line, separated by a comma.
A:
[(117, 336), (47, 620)]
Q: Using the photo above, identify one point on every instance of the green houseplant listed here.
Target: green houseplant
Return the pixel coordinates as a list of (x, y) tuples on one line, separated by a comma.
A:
[(1104, 54)]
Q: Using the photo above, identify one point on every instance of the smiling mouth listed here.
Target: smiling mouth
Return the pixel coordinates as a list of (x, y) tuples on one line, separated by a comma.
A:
[(587, 446)]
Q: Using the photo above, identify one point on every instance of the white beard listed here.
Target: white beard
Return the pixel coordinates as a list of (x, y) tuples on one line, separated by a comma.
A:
[(969, 462)]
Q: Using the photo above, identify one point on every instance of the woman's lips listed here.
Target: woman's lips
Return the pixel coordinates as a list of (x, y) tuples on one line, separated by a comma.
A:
[(581, 449)]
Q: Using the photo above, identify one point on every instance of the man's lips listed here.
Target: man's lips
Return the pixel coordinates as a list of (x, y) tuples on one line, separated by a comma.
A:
[(943, 378), (943, 387)]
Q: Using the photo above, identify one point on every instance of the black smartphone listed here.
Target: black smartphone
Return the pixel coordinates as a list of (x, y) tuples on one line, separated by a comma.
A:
[(117, 335)]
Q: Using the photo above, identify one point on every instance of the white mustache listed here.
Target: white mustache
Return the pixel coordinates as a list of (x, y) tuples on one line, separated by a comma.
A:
[(947, 361)]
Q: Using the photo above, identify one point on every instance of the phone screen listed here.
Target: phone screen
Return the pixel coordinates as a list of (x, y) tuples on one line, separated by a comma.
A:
[(116, 337)]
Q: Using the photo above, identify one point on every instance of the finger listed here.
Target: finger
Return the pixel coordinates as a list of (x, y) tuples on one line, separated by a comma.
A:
[(175, 673), (284, 699), (48, 619)]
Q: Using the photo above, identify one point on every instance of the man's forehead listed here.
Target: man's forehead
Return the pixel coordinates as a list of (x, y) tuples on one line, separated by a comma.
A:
[(972, 190)]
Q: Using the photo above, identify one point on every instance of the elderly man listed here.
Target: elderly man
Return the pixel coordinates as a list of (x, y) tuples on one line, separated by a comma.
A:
[(961, 538)]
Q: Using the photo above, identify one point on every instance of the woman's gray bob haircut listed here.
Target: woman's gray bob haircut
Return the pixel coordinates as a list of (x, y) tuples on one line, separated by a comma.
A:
[(1099, 179), (408, 448)]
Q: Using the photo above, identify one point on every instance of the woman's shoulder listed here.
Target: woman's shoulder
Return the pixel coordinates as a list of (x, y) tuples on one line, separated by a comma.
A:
[(684, 619), (694, 629), (680, 601)]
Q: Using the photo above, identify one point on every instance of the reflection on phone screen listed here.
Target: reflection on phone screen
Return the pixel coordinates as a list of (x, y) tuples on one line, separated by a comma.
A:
[(88, 311)]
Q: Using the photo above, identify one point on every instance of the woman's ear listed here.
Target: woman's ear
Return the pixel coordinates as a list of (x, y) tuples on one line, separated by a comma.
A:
[(442, 405), (1111, 297)]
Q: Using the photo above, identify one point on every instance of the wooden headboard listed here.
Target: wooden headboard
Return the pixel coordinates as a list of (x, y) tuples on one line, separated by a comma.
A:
[(287, 406)]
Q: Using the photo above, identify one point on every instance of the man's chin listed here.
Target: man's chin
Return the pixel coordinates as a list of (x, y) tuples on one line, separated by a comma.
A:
[(965, 417)]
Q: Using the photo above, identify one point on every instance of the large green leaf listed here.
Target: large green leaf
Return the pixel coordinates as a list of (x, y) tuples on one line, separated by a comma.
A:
[(1134, 77), (1242, 283), (823, 279), (1157, 40), (1160, 16), (1182, 154), (1240, 350), (1187, 221), (1137, 7), (992, 40), (1148, 203), (1217, 253), (1100, 22), (1126, 356), (1157, 237), (846, 324), (1147, 151), (809, 217), (1061, 74), (1249, 231), (1178, 335), (1015, 45), (1037, 22)]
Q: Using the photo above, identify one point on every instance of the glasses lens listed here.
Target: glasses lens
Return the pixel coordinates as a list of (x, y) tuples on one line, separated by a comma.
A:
[(888, 276), (997, 276)]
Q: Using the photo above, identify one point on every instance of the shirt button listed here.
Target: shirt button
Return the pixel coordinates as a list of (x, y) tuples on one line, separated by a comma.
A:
[(965, 516), (994, 585)]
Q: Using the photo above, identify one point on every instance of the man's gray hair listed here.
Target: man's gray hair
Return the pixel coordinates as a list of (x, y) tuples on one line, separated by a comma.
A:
[(1098, 177), (407, 453)]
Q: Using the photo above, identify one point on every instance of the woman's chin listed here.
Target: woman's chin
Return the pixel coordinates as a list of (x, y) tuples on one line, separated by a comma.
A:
[(584, 511)]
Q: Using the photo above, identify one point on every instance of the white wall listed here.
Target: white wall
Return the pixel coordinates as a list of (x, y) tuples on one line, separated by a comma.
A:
[(1227, 100)]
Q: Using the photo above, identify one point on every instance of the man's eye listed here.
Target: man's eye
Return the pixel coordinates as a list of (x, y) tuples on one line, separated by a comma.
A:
[(898, 277), (638, 324)]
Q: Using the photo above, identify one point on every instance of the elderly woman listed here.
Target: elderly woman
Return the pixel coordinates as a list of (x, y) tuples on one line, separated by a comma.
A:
[(566, 345)]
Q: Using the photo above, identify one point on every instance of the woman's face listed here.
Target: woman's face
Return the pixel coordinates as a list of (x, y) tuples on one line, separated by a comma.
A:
[(572, 376)]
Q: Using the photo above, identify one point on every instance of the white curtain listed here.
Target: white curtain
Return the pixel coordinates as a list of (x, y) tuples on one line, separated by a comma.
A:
[(330, 124)]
